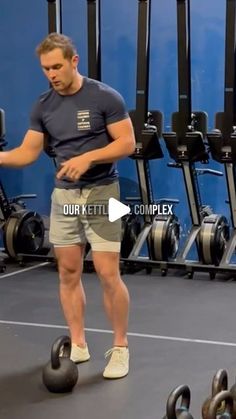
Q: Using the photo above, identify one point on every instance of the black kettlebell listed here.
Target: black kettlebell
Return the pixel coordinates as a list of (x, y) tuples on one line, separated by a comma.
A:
[(224, 397), (183, 411), (219, 383), (60, 374)]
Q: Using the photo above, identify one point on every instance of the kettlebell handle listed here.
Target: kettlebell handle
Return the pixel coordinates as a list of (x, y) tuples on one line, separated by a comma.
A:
[(182, 390), (220, 382), (223, 396), (65, 342)]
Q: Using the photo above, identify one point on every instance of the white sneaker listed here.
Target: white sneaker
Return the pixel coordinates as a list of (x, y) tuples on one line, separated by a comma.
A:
[(118, 366), (79, 354)]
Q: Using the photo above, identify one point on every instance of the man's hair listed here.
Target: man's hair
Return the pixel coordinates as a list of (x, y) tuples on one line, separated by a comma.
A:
[(57, 40)]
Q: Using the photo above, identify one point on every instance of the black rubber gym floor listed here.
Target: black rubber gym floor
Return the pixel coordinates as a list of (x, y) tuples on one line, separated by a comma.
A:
[(181, 332)]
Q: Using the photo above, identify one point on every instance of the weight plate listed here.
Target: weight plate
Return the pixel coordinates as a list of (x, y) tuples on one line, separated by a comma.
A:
[(8, 237), (165, 237), (213, 236), (157, 236), (23, 233)]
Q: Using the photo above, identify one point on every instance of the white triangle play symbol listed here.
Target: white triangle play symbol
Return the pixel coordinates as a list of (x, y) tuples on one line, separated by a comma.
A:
[(116, 209)]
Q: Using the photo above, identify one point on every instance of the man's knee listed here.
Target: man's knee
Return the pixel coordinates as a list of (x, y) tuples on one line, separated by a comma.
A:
[(107, 266), (70, 262), (107, 273), (69, 276), (109, 277)]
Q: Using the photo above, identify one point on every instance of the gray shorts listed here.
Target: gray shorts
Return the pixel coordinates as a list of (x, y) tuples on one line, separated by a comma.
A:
[(81, 215)]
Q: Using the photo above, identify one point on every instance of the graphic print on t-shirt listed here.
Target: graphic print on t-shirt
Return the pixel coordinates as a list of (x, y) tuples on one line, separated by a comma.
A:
[(83, 120)]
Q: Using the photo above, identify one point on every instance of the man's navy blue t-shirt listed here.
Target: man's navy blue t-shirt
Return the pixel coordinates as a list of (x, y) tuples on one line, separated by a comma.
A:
[(75, 124)]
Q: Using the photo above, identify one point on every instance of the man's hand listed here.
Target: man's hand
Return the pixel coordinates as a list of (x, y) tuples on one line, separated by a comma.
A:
[(75, 167)]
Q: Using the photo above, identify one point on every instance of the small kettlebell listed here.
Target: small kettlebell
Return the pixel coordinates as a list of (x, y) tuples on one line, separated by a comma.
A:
[(183, 411), (219, 383), (225, 398), (60, 374)]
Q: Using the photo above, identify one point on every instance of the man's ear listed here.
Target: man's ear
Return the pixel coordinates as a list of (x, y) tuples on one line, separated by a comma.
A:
[(75, 60)]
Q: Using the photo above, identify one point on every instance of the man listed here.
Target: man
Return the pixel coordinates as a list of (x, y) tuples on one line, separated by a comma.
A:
[(86, 123)]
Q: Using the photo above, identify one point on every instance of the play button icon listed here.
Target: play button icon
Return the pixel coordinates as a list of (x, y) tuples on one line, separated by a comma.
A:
[(116, 209), (106, 211)]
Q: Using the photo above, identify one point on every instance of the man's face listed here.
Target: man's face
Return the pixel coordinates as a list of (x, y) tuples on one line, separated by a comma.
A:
[(60, 71)]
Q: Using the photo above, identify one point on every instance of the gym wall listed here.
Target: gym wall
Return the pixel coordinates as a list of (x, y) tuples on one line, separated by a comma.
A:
[(24, 23)]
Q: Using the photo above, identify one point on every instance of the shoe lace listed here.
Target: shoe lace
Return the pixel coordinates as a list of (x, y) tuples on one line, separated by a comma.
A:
[(116, 354)]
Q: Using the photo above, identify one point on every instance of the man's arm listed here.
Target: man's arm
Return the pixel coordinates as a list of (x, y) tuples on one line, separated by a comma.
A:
[(26, 153), (123, 143)]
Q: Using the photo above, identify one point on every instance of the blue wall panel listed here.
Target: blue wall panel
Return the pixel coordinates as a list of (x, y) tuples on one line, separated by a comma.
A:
[(74, 24), (208, 49), (23, 25)]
